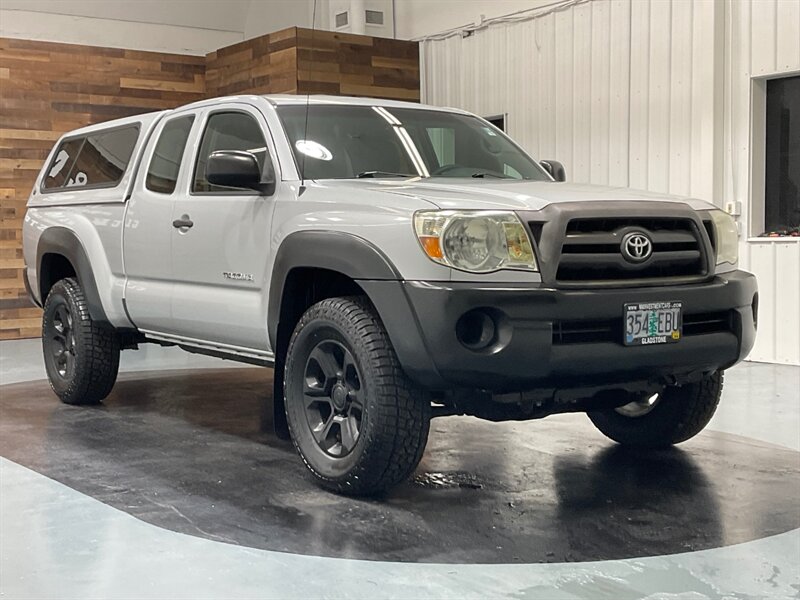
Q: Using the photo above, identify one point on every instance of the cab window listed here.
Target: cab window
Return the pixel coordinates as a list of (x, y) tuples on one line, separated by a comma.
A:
[(228, 131), (162, 176)]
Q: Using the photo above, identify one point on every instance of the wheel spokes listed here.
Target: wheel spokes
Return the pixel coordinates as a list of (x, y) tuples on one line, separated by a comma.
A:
[(333, 398), (323, 431), (356, 399), (329, 366), (313, 389), (349, 433), (61, 345), (60, 320)]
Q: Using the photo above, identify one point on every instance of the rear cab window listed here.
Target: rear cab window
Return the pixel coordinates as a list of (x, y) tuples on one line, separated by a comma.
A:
[(95, 160), (165, 165)]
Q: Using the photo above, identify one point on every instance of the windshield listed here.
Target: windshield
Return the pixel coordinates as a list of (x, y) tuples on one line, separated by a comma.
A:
[(345, 142)]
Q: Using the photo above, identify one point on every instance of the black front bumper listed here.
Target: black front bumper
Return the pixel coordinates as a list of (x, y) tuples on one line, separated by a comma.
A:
[(530, 352)]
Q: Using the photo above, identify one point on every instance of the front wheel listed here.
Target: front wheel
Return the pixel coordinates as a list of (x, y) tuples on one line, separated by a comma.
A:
[(675, 415), (356, 420), (81, 357)]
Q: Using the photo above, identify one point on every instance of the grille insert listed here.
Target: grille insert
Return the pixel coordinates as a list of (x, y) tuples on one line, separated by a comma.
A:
[(591, 251)]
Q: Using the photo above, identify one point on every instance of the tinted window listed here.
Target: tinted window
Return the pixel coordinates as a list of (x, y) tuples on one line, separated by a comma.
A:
[(228, 131), (782, 193), (104, 157), (162, 176), (62, 163), (343, 142), (98, 160)]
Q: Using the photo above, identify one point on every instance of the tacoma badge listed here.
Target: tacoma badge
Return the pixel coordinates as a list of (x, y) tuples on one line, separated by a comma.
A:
[(237, 276)]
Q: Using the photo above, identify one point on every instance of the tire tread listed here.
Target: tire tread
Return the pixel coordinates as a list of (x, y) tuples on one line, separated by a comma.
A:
[(98, 364), (399, 420), (682, 412)]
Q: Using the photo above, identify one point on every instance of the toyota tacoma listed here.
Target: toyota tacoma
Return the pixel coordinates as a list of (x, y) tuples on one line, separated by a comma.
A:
[(392, 262)]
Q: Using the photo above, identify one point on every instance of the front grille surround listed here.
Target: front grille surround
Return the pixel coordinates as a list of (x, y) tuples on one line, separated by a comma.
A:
[(578, 244), (591, 250)]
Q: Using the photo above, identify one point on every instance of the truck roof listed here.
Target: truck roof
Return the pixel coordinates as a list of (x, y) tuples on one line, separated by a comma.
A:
[(314, 99), (274, 99)]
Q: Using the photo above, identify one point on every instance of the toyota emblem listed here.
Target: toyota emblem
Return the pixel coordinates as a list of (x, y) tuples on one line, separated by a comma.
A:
[(636, 247)]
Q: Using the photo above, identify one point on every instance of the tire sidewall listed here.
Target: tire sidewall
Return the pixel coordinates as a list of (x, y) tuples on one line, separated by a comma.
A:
[(312, 330)]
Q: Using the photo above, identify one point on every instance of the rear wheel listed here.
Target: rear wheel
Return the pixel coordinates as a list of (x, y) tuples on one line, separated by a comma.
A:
[(356, 420), (81, 357), (675, 415)]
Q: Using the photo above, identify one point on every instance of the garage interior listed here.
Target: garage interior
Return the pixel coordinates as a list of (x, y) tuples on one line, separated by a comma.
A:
[(174, 487)]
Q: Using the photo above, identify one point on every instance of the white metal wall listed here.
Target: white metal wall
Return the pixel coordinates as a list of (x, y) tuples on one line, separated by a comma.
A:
[(635, 93), (762, 39)]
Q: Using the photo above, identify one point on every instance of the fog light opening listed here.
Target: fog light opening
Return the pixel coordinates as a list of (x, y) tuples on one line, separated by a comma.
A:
[(476, 330)]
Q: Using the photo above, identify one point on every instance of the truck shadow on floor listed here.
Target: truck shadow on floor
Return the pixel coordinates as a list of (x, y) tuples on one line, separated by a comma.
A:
[(184, 451)]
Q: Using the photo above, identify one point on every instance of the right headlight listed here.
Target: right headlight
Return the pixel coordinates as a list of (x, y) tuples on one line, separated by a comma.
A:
[(475, 241), (727, 237)]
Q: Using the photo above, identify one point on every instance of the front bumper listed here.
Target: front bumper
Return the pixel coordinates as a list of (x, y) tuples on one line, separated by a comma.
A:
[(530, 352)]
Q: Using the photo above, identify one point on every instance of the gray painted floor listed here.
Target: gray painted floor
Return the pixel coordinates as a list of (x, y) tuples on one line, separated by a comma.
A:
[(56, 542)]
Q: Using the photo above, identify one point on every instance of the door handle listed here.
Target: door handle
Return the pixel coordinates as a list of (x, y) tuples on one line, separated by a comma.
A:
[(183, 223)]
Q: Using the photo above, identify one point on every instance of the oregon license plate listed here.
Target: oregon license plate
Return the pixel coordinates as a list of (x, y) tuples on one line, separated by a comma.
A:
[(652, 323)]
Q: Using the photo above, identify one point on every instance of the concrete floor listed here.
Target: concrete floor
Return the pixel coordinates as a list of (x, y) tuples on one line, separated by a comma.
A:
[(169, 490)]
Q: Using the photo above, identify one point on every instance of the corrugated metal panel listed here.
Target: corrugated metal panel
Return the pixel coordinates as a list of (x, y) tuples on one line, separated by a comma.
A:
[(763, 40), (611, 88), (645, 94)]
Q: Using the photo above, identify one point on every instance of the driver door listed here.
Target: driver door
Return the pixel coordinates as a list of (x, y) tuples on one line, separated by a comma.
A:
[(221, 239)]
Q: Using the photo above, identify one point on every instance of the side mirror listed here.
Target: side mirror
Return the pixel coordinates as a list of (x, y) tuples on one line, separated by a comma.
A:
[(555, 168), (239, 169)]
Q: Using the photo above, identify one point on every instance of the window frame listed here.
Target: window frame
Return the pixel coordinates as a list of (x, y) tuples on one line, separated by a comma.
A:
[(757, 201), (84, 136), (203, 126), (189, 115)]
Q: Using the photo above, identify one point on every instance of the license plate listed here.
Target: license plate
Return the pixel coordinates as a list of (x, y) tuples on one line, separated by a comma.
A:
[(653, 323)]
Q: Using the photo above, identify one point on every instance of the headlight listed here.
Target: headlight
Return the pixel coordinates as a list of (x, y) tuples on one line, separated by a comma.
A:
[(727, 237), (475, 241)]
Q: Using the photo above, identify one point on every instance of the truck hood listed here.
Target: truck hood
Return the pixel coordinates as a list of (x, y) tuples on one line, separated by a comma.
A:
[(492, 194)]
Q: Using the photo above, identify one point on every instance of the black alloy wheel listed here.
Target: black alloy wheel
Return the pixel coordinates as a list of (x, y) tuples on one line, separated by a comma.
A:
[(357, 421), (81, 356), (59, 341), (333, 397)]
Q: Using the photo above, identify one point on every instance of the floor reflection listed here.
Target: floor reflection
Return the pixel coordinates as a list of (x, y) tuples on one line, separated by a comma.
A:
[(183, 450)]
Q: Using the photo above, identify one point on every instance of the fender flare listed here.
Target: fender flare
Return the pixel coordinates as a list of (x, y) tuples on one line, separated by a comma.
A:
[(64, 242), (345, 253)]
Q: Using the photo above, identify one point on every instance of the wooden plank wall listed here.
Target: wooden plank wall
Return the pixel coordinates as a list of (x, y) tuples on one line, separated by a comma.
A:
[(299, 61), (356, 65), (263, 65), (47, 89)]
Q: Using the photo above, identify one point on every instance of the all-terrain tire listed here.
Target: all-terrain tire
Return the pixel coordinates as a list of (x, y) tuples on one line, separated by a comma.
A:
[(394, 418), (680, 413), (81, 357)]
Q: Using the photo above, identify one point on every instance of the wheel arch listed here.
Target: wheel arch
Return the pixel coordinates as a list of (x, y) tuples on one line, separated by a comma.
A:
[(60, 254), (311, 266)]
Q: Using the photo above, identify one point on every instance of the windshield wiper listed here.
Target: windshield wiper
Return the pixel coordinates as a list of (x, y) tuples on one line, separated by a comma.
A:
[(482, 174), (365, 174)]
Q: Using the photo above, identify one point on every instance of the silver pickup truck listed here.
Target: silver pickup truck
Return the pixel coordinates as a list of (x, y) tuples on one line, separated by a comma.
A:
[(392, 262)]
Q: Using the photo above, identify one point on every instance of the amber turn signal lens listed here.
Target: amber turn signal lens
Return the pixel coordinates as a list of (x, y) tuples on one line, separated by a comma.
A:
[(432, 247)]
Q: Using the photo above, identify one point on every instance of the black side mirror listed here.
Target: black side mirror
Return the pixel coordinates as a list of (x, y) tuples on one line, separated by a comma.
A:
[(239, 169), (555, 168)]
